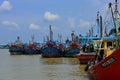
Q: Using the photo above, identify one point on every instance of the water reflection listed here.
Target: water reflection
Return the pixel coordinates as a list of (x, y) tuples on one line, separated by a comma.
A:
[(33, 67), (63, 69), (53, 61)]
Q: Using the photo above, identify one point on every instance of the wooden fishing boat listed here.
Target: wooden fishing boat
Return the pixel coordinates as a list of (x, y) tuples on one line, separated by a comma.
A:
[(50, 49), (16, 48), (88, 45), (31, 49), (107, 66), (72, 48), (70, 52), (107, 69), (85, 57)]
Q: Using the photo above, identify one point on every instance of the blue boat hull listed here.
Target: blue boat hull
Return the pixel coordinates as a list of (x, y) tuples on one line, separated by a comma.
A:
[(31, 51), (48, 51), (71, 52), (16, 51)]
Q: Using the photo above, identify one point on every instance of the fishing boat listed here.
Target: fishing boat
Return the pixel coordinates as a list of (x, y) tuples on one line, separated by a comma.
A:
[(16, 48), (32, 48), (88, 44), (107, 66), (85, 57), (87, 52), (72, 48), (50, 48), (107, 69)]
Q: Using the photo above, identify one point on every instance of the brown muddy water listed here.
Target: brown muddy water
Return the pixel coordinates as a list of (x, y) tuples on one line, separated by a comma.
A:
[(34, 67)]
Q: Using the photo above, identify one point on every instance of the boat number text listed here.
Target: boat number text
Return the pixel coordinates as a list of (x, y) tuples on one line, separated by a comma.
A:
[(108, 62)]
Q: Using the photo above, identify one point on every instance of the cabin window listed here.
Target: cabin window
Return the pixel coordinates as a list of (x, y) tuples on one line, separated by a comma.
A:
[(102, 45), (109, 45)]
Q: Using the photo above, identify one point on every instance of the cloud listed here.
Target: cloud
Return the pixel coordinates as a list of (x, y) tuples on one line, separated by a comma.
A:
[(9, 23), (5, 5), (75, 24), (71, 22), (33, 27), (50, 16), (84, 23)]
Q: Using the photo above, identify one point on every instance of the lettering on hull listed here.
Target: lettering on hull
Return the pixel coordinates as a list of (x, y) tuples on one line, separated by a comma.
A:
[(108, 62)]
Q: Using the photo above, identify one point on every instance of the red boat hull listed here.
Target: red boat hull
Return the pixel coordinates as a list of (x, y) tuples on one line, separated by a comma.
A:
[(85, 58), (50, 55), (107, 69)]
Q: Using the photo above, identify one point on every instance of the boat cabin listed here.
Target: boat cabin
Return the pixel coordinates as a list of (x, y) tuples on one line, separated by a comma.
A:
[(106, 46)]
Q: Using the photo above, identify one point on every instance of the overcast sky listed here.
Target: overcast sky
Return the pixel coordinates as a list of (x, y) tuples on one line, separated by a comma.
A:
[(27, 17)]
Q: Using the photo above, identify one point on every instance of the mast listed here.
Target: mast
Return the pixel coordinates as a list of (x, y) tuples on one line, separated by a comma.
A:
[(116, 13), (33, 38), (105, 32), (115, 17), (18, 40), (51, 34), (73, 35), (101, 30), (59, 37), (92, 32), (98, 25), (89, 33)]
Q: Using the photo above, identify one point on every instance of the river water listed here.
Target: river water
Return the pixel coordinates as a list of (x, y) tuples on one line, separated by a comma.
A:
[(34, 67)]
